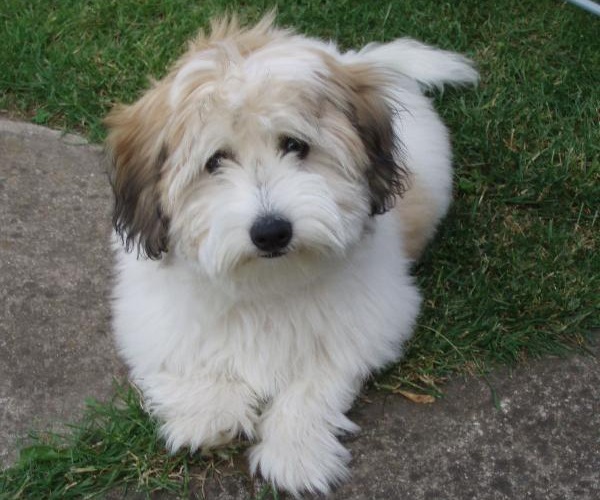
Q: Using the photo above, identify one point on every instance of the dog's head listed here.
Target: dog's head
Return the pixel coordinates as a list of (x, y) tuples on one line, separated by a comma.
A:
[(260, 148)]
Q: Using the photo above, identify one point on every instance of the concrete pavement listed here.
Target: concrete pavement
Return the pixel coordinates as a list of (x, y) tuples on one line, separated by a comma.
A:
[(55, 345), (537, 438)]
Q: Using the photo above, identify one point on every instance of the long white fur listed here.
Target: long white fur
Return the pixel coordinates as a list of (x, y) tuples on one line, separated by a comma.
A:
[(279, 352)]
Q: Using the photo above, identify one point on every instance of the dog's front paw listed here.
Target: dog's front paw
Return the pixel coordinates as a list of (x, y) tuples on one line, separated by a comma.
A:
[(301, 462), (208, 427), (204, 431), (200, 412)]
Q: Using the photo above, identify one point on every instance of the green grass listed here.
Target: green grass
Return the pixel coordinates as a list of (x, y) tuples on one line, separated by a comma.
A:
[(115, 448), (515, 271)]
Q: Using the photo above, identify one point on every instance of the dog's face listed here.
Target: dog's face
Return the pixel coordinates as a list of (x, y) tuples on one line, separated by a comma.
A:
[(259, 149)]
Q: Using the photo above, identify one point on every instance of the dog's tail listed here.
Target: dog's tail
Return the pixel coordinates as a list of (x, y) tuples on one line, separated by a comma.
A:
[(429, 66)]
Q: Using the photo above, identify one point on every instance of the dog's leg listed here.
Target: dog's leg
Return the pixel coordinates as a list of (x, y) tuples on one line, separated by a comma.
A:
[(200, 412), (299, 450)]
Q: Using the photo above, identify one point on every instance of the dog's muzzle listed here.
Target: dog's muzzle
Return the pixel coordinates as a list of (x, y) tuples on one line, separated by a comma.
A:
[(271, 234)]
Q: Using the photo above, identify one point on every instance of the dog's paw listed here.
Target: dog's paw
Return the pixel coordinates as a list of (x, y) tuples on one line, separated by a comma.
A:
[(300, 462), (208, 428)]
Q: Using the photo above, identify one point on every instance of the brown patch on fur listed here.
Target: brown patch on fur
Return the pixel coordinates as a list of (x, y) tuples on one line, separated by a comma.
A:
[(138, 153), (418, 214), (371, 115)]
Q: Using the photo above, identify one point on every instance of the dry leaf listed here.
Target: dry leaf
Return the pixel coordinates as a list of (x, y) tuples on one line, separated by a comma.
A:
[(423, 399)]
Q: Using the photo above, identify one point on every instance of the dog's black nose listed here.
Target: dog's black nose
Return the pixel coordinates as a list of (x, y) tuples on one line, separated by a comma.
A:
[(271, 233)]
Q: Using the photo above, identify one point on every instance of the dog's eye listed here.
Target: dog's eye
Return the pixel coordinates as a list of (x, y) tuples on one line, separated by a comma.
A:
[(292, 145), (214, 162)]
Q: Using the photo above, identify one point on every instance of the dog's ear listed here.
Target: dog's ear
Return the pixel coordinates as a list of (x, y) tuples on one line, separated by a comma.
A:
[(371, 111), (138, 154)]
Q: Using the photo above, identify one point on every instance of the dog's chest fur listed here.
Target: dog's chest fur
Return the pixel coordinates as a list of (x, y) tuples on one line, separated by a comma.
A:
[(168, 320)]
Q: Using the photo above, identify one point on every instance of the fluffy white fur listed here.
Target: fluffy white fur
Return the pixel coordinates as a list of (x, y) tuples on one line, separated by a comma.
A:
[(222, 340)]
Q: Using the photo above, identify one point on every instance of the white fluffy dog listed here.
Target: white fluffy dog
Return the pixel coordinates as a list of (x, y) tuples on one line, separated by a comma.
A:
[(274, 191)]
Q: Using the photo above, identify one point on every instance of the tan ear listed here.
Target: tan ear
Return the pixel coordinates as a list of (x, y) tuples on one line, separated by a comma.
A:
[(371, 112), (138, 154)]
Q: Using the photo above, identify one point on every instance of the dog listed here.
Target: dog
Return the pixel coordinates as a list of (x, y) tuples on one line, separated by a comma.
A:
[(271, 193)]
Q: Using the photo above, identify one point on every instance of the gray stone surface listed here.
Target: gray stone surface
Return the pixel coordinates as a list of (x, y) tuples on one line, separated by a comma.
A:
[(530, 433), (55, 347)]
